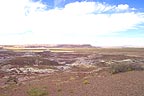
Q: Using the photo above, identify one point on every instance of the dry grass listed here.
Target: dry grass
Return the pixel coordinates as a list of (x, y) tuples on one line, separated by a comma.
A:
[(37, 92)]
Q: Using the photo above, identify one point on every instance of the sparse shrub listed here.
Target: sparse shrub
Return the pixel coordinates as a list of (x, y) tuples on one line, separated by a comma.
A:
[(117, 68), (72, 78), (37, 92), (71, 91), (3, 95), (59, 90), (86, 82)]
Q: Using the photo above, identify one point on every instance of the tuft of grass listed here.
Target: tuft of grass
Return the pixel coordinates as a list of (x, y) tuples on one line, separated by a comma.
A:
[(86, 82), (118, 68), (72, 78), (37, 92), (3, 95), (71, 91), (59, 90)]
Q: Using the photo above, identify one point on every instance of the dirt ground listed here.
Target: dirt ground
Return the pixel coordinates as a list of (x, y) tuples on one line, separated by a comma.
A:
[(83, 80), (70, 84)]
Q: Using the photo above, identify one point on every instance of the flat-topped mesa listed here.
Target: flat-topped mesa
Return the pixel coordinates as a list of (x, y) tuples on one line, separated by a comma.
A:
[(52, 46), (74, 46)]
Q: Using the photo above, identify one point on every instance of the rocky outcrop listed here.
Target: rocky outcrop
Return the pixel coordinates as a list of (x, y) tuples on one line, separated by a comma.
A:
[(32, 60), (100, 60)]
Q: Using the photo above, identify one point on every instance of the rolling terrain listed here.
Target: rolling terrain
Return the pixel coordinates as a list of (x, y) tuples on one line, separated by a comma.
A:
[(79, 71)]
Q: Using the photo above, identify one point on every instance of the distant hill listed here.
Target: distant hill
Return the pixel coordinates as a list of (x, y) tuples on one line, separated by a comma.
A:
[(52, 46), (61, 46), (74, 46)]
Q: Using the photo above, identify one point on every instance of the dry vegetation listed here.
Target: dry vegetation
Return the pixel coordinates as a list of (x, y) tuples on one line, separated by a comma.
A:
[(118, 68), (37, 92)]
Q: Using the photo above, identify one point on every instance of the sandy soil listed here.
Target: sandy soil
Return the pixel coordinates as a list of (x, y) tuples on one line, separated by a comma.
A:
[(81, 82), (70, 84)]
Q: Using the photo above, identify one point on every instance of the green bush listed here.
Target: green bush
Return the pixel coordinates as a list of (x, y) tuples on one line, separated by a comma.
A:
[(37, 92), (117, 68)]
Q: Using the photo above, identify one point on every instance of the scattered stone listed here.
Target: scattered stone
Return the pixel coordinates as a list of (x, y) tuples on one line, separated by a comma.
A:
[(12, 79)]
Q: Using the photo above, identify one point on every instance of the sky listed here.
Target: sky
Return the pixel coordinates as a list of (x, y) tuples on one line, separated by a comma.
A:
[(95, 22)]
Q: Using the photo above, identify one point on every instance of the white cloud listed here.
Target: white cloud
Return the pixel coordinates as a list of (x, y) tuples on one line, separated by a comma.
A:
[(120, 41), (122, 7), (12, 15), (78, 22)]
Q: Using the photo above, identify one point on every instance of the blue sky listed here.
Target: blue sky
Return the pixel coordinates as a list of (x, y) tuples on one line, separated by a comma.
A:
[(96, 22), (132, 3)]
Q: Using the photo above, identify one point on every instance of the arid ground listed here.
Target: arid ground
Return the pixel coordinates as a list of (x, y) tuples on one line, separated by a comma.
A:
[(72, 72)]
